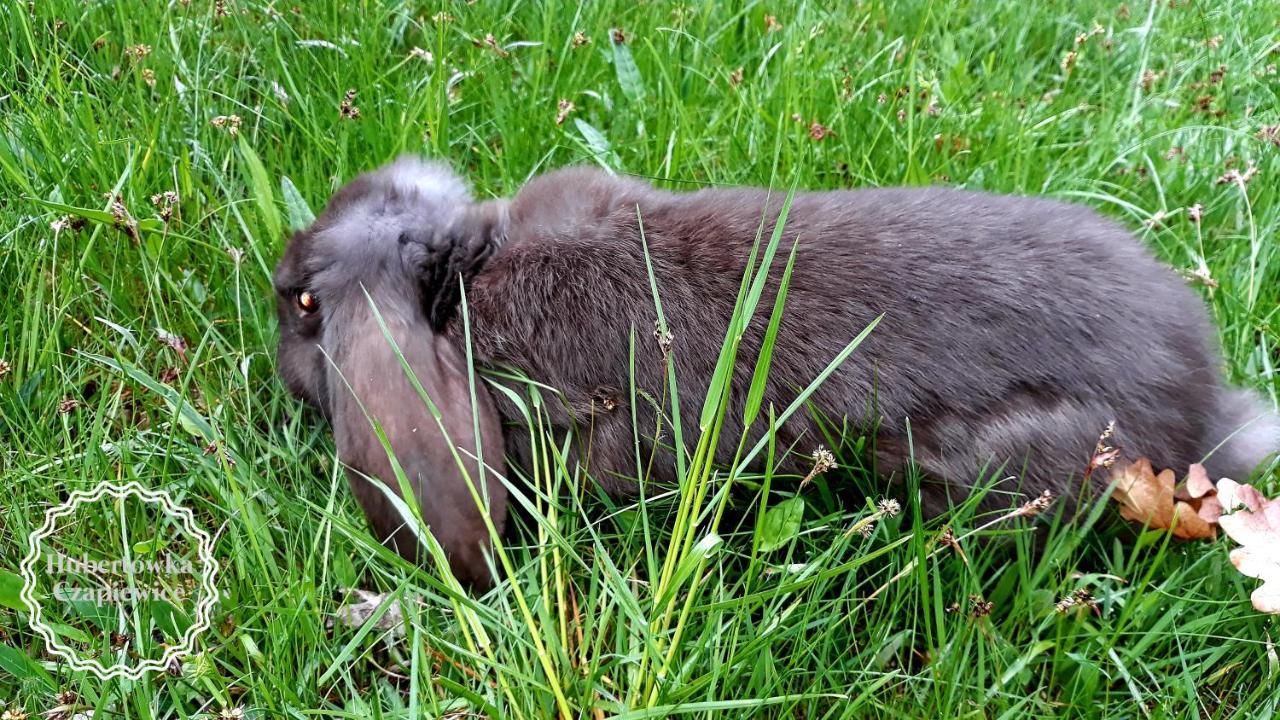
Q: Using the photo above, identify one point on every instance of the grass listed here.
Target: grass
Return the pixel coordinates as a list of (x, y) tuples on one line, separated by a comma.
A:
[(636, 610)]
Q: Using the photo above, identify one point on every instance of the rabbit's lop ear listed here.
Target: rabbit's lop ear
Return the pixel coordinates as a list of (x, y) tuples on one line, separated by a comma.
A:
[(449, 448), (470, 241), (397, 388)]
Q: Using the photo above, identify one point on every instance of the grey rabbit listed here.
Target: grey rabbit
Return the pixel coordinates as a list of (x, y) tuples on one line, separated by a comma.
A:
[(1014, 330)]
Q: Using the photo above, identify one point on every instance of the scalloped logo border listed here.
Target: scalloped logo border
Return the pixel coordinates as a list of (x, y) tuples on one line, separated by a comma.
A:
[(208, 574)]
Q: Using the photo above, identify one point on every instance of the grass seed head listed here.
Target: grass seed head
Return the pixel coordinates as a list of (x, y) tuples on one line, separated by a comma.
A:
[(164, 203), (563, 108), (230, 123), (664, 339), (948, 538), (164, 199), (1104, 453), (1036, 505), (823, 460), (347, 108), (123, 219), (492, 43), (1084, 598), (1079, 599), (980, 608), (1200, 276), (1235, 177)]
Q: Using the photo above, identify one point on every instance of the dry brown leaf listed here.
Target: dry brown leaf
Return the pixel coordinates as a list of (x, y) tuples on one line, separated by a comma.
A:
[(361, 605), (1201, 494), (1149, 499), (1256, 526), (1195, 510)]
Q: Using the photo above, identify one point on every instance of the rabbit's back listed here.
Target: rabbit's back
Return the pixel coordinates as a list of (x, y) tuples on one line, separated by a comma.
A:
[(1014, 329)]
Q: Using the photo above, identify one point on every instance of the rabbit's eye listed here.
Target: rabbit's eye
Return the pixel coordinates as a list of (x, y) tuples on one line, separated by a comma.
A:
[(307, 302)]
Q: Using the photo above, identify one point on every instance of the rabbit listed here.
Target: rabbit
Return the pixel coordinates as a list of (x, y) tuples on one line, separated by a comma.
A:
[(1014, 330)]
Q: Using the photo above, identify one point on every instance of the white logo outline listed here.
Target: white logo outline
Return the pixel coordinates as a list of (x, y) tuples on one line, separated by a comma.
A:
[(208, 573)]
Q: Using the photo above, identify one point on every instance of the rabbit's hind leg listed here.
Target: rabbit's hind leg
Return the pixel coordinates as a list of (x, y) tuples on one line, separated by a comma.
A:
[(1013, 454)]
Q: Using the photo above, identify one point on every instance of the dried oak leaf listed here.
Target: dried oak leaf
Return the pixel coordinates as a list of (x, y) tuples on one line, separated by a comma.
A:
[(1149, 499), (361, 605), (1256, 526), (1200, 493)]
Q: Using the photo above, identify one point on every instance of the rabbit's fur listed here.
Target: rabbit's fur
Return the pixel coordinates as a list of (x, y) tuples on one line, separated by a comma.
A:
[(1014, 330)]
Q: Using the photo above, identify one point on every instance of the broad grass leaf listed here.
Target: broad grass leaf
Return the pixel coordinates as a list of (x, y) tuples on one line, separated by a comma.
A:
[(170, 618), (256, 177), (19, 665), (698, 554), (11, 591), (150, 547), (344, 571), (188, 417), (299, 212), (743, 312), (625, 66), (67, 632), (102, 217), (598, 144), (781, 524), (764, 360)]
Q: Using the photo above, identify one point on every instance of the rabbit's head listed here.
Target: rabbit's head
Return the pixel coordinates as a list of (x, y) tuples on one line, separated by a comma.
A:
[(383, 262)]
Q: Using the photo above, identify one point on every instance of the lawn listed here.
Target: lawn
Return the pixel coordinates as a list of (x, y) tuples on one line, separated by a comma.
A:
[(139, 332)]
